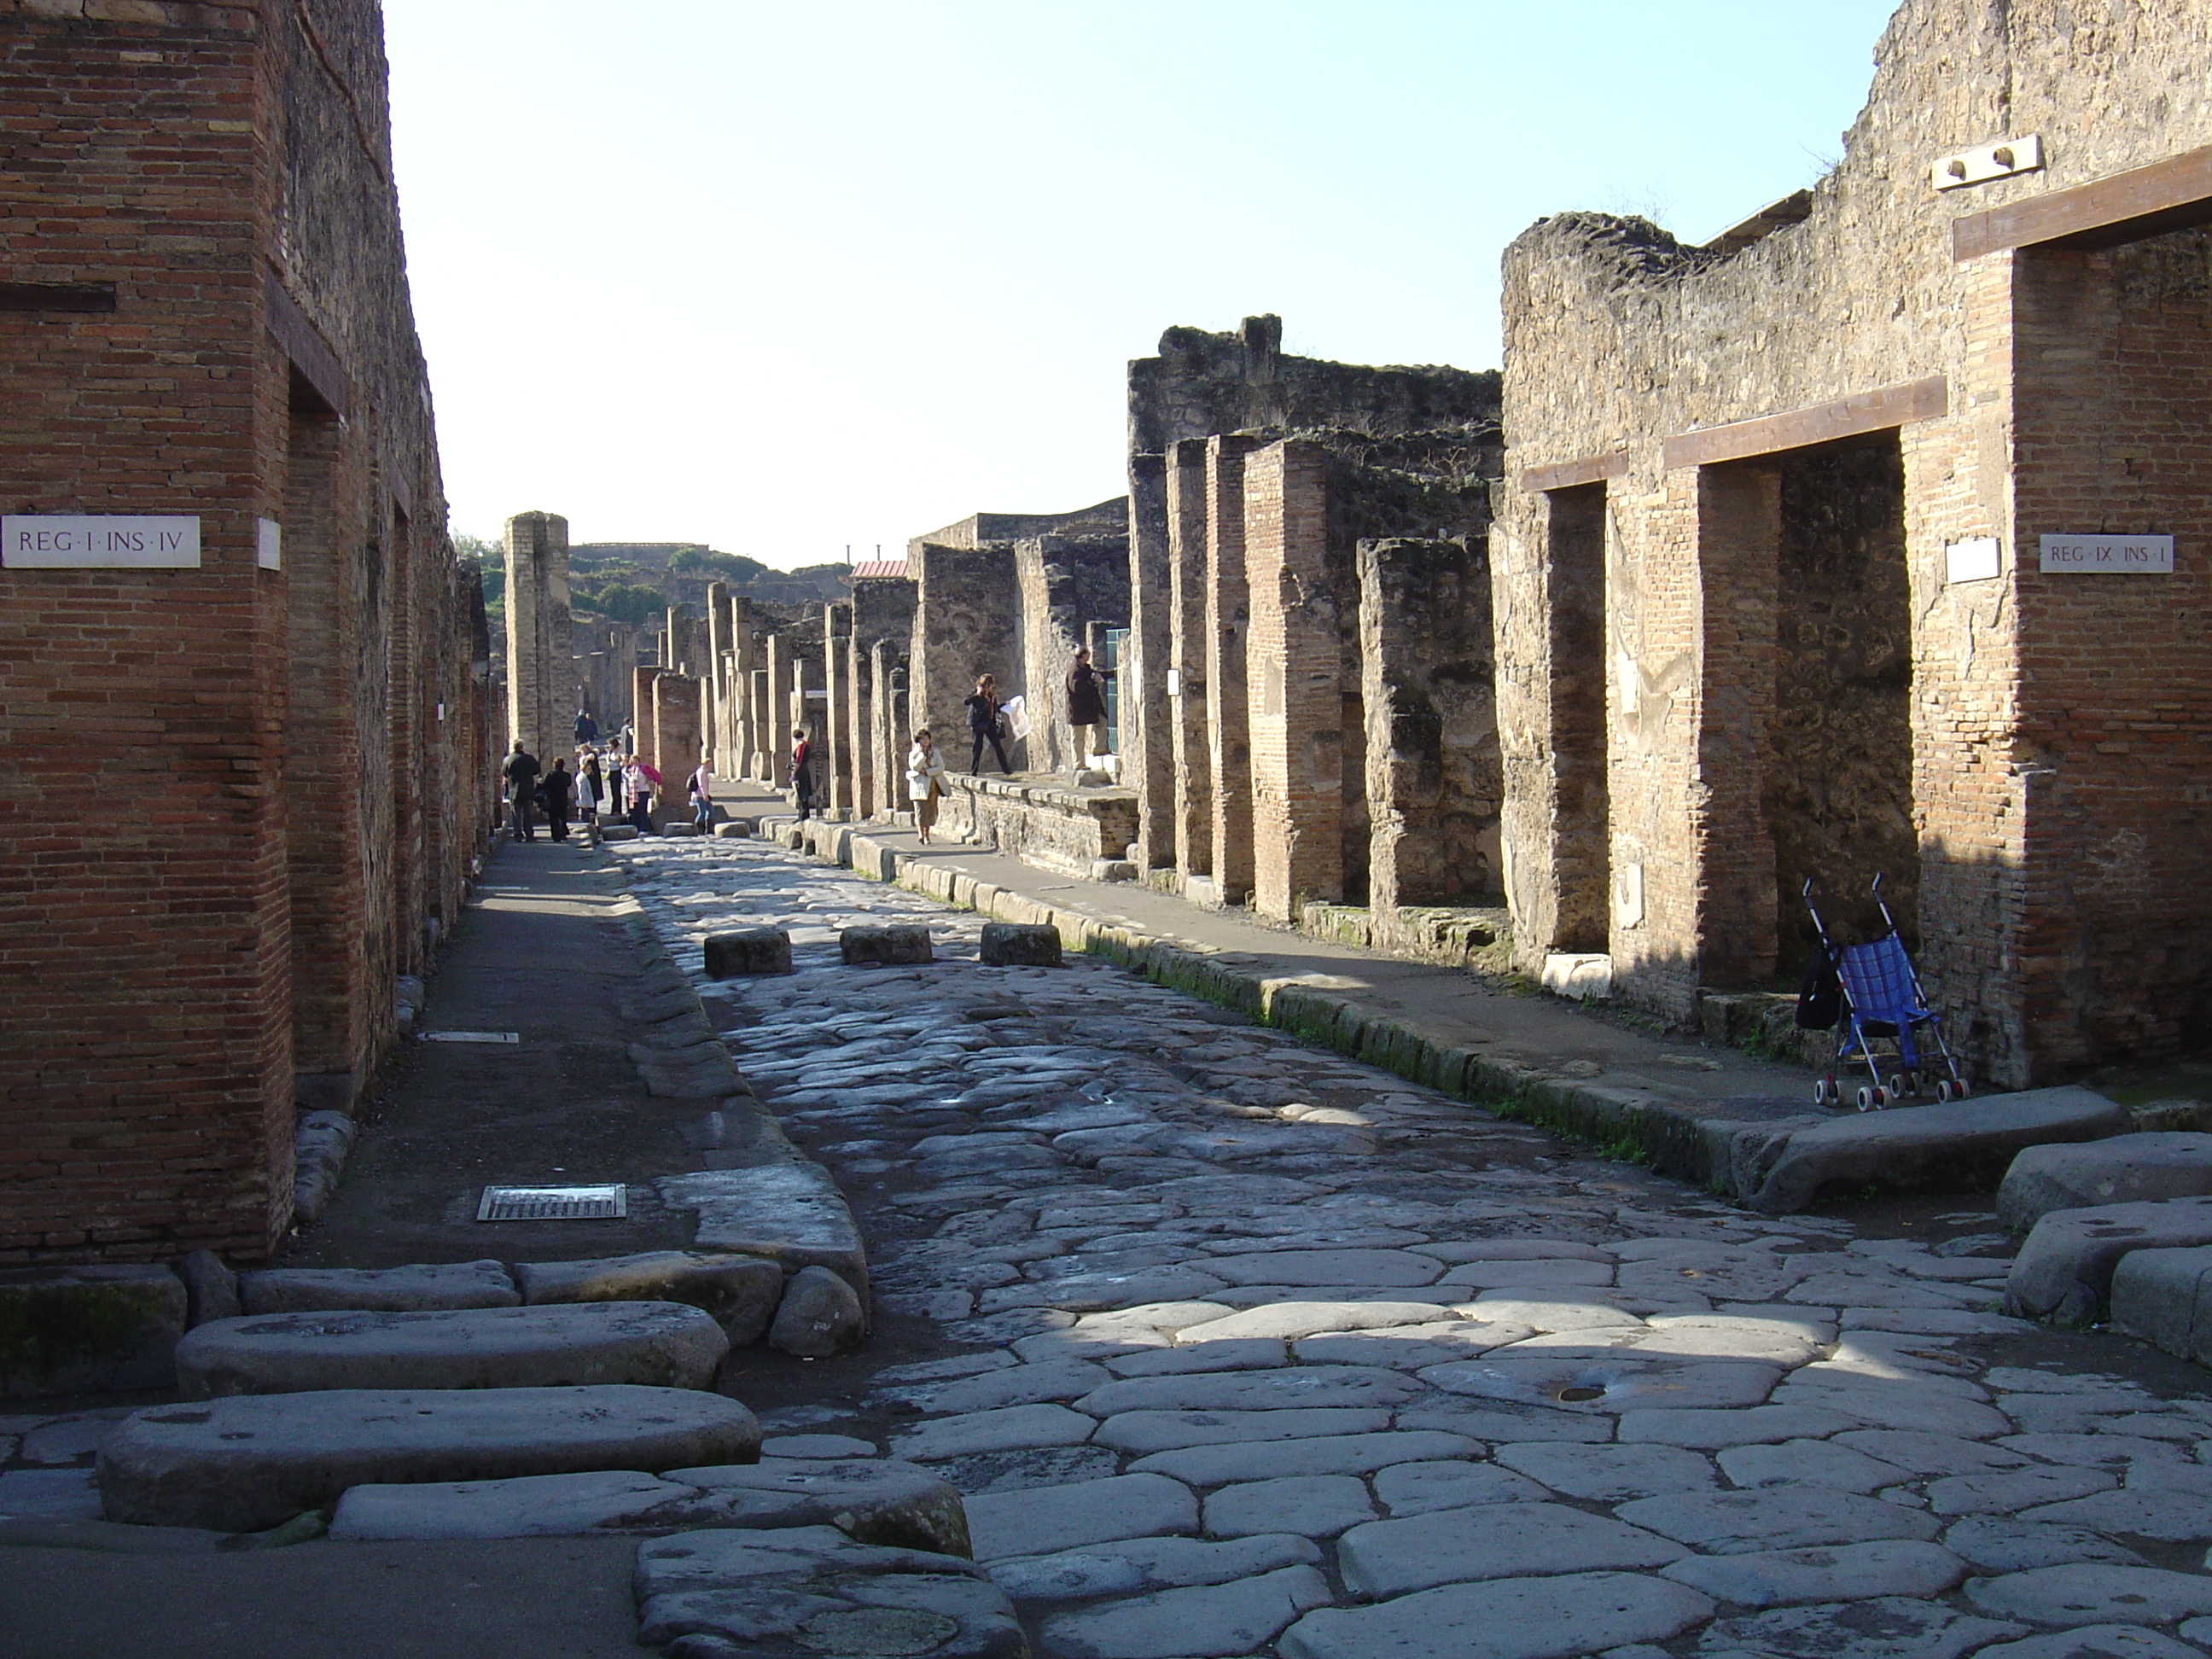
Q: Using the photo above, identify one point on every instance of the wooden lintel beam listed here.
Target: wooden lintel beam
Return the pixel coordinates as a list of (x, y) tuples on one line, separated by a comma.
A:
[(1566, 475), (2126, 207), (1800, 428), (311, 355)]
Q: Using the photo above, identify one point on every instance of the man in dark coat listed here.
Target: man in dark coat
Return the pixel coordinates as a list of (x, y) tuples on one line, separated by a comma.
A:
[(521, 771), (1086, 709), (587, 729), (558, 792)]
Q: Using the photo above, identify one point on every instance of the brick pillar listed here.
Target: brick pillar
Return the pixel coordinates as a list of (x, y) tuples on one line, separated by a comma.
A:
[(676, 740), (1296, 693), (1228, 615), (540, 644), (717, 692), (1739, 532), (1186, 657), (1425, 676), (859, 730), (889, 745), (776, 716), (1147, 752), (760, 758), (836, 742), (641, 694)]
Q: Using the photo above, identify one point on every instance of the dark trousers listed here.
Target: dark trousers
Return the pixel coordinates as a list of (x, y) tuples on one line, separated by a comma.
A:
[(641, 814), (518, 810), (558, 817), (976, 756)]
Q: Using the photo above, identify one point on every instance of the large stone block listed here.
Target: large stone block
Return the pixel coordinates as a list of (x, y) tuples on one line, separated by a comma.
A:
[(820, 1315), (791, 1213), (251, 1462), (1018, 944), (2124, 1169), (878, 1501), (1954, 1147), (416, 1288), (71, 1330), (891, 946), (745, 950), (657, 1344), (2064, 1270), (741, 1292), (2157, 1296)]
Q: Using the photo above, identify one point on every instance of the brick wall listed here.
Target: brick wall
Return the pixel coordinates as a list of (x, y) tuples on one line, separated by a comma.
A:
[(253, 757)]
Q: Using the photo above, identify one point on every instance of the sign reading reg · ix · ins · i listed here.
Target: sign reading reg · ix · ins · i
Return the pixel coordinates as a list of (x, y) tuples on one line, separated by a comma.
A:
[(56, 541), (2145, 555)]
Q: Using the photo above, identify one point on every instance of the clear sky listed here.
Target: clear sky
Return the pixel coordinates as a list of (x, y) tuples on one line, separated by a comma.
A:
[(787, 278)]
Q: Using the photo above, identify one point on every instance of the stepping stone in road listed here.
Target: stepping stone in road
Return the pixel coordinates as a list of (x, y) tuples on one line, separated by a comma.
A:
[(659, 1344), (251, 1462), (2124, 1169), (412, 1289), (743, 951), (1020, 944), (740, 1291), (884, 946), (2064, 1270)]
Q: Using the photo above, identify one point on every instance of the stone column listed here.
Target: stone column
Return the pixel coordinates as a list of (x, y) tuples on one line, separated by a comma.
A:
[(1187, 654), (1432, 770), (1147, 750), (835, 745), (641, 679), (677, 738), (540, 674), (760, 759), (1228, 615), (1296, 689), (717, 674)]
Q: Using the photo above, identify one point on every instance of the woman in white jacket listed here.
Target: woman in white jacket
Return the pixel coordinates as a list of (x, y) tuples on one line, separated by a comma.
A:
[(925, 775)]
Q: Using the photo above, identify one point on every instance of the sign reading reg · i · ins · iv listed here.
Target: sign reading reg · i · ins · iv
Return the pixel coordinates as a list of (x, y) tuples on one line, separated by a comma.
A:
[(2135, 555), (58, 541)]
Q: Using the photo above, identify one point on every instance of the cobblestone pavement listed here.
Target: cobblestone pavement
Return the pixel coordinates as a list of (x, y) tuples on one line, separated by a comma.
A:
[(1241, 1346)]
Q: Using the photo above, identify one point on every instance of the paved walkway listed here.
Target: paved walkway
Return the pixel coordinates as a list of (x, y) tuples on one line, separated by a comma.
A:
[(1243, 1347)]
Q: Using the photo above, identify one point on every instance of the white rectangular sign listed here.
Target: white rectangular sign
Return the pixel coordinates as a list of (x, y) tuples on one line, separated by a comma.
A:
[(58, 541), (1975, 561), (269, 544), (2152, 554)]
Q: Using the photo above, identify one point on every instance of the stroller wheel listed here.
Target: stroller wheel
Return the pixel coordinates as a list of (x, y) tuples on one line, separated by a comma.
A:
[(1821, 1088), (1868, 1099), (1944, 1091), (1897, 1082)]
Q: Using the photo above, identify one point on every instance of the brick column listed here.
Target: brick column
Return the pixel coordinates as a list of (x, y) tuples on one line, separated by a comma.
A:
[(676, 740), (1187, 658), (834, 745), (1147, 749), (1739, 533), (1296, 690), (1228, 615), (540, 646)]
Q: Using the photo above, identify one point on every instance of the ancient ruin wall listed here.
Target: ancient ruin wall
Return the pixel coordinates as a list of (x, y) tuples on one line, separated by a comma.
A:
[(1066, 583), (967, 622), (1616, 336)]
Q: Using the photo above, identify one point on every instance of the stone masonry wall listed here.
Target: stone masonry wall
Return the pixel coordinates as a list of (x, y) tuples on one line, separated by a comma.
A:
[(1066, 583), (1618, 337), (967, 622)]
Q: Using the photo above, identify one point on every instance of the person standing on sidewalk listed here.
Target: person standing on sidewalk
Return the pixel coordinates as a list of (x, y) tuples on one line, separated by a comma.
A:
[(1086, 709), (702, 799), (521, 771), (591, 785), (802, 772), (925, 782), (640, 788), (983, 724), (559, 791), (587, 729)]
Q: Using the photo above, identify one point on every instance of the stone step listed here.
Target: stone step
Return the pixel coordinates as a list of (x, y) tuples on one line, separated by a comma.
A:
[(2124, 1169), (659, 1344), (417, 1287), (877, 1501), (251, 1462), (2064, 1270)]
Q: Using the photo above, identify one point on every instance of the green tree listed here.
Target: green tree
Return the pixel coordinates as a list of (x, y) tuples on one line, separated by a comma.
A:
[(626, 601), (490, 560)]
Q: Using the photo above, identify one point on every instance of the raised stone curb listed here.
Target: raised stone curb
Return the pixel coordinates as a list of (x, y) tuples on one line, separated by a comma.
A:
[(657, 1344), (320, 1142), (2158, 1296), (251, 1460), (1709, 1142), (740, 1291)]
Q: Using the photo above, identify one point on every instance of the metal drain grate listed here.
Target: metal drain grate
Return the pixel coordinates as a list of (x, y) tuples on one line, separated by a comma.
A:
[(553, 1203), (471, 1036)]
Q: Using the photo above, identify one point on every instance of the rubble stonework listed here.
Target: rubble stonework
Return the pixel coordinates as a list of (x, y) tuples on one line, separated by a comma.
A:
[(1749, 626), (289, 738)]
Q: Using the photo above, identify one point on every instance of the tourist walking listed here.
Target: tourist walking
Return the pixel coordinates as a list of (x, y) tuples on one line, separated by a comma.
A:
[(587, 729), (802, 772), (591, 785), (924, 783), (702, 799), (558, 792), (640, 788), (521, 771), (983, 724), (1086, 709)]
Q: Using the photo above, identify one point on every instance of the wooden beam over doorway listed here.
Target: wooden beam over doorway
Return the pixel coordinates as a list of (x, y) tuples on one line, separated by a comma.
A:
[(1800, 428), (1566, 475), (2126, 207)]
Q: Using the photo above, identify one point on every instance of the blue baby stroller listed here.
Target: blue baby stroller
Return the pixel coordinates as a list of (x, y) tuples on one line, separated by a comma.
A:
[(1879, 997)]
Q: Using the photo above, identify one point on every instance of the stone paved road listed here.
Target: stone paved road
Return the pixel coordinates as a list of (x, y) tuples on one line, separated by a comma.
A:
[(1244, 1347)]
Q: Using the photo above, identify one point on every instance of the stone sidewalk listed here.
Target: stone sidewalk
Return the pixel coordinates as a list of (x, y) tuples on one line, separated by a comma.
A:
[(1240, 1346)]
